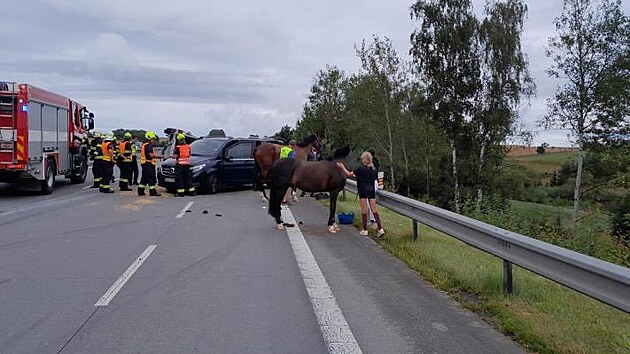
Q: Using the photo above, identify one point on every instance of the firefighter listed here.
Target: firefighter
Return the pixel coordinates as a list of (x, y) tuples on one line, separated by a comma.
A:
[(183, 177), (96, 155), (107, 165), (124, 162), (134, 163), (148, 159)]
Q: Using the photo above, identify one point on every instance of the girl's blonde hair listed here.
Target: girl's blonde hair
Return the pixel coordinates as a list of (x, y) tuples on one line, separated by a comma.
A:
[(366, 159)]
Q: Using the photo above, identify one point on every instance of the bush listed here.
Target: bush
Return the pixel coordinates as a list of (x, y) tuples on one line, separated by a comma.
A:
[(621, 221), (536, 195)]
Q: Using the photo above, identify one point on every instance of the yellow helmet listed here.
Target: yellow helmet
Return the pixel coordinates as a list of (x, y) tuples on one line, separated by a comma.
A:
[(150, 135), (181, 136)]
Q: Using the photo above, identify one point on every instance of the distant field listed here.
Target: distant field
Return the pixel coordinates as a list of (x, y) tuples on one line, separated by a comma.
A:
[(526, 150), (541, 163)]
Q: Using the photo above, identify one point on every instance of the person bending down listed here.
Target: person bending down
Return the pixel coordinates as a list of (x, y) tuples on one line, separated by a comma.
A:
[(366, 175)]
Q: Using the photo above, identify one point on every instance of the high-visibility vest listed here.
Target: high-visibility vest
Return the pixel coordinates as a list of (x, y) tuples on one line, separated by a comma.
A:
[(125, 150), (144, 158), (183, 157), (285, 151), (107, 154)]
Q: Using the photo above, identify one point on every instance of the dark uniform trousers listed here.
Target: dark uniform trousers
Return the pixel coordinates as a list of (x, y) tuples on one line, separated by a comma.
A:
[(125, 173), (183, 179), (107, 173), (97, 171), (148, 176)]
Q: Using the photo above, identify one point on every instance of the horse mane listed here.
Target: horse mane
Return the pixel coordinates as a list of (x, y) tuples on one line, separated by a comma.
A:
[(308, 140), (340, 153)]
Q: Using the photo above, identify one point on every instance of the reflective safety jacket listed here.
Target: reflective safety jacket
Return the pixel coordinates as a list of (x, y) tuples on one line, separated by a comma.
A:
[(125, 151), (285, 152), (146, 154), (95, 149), (183, 154), (108, 151)]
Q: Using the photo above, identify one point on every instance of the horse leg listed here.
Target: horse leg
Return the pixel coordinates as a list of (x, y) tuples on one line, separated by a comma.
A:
[(275, 209), (337, 228), (331, 217)]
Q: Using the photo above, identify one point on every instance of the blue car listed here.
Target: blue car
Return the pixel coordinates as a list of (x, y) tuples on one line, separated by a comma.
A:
[(216, 163)]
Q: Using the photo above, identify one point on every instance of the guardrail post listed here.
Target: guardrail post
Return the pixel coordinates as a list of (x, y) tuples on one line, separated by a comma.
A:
[(343, 195), (414, 226), (507, 276)]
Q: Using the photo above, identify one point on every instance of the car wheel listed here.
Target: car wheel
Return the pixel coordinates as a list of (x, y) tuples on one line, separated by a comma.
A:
[(212, 184), (48, 184)]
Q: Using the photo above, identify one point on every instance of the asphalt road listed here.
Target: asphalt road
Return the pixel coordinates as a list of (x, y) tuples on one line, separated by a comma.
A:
[(216, 279)]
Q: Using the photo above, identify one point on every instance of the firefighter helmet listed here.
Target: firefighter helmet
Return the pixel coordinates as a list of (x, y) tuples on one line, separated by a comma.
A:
[(150, 135), (127, 135), (181, 136)]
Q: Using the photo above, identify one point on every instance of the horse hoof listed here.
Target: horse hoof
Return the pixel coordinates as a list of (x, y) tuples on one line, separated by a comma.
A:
[(280, 227)]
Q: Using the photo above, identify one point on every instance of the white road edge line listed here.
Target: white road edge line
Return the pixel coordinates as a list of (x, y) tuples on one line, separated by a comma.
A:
[(335, 330), (114, 289), (186, 208), (87, 187)]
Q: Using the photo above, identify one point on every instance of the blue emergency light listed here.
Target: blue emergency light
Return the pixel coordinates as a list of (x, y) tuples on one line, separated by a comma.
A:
[(25, 108)]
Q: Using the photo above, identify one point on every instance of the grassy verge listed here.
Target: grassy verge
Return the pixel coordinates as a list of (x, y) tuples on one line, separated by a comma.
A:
[(541, 315)]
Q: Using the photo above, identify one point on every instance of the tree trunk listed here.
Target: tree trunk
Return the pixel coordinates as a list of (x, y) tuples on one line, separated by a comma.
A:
[(578, 181), (426, 159), (455, 178), (406, 158), (391, 148), (482, 160)]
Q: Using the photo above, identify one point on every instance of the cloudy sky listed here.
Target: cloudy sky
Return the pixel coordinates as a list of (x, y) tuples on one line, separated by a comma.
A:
[(244, 66)]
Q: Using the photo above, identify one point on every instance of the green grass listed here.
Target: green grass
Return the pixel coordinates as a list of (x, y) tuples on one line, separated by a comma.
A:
[(541, 163), (541, 315), (590, 220)]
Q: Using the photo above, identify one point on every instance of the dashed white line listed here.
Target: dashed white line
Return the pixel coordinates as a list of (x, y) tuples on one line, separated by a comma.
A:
[(186, 208), (115, 288), (335, 330)]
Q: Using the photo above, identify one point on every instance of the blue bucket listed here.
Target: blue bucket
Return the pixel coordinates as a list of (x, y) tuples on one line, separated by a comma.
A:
[(346, 219)]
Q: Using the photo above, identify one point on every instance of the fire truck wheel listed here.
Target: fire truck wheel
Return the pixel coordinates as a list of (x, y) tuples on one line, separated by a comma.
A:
[(81, 174), (48, 184)]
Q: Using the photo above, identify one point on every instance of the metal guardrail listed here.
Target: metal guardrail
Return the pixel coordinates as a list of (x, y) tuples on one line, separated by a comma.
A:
[(606, 282)]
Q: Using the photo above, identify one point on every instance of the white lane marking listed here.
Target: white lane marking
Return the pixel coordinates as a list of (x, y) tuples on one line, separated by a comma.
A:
[(87, 187), (41, 204), (332, 323), (186, 208), (115, 288)]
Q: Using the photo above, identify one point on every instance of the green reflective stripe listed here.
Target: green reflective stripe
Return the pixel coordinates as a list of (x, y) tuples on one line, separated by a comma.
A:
[(98, 157), (181, 190), (98, 179), (191, 189), (106, 186), (124, 180), (141, 186), (151, 187)]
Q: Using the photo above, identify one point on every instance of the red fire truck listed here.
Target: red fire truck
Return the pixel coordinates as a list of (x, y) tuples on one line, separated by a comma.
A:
[(42, 135)]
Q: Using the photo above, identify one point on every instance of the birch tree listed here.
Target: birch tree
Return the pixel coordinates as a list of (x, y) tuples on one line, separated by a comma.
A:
[(590, 55), (505, 79), (445, 56)]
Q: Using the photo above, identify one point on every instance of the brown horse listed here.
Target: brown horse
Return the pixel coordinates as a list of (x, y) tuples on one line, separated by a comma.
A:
[(309, 176), (267, 153)]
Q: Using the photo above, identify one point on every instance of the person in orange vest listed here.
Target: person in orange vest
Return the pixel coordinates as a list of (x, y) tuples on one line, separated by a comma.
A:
[(148, 160), (124, 163), (107, 165), (183, 177)]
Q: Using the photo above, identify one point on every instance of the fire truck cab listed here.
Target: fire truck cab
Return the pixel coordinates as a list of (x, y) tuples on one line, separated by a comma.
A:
[(42, 135)]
